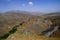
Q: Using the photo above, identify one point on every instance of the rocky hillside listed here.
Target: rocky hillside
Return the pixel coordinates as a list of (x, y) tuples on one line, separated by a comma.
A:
[(33, 27), (9, 19), (56, 22), (19, 25)]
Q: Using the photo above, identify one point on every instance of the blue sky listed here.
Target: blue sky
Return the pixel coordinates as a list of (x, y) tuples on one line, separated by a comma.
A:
[(30, 5)]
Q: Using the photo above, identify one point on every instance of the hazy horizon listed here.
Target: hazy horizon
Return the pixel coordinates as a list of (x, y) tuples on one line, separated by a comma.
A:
[(44, 6)]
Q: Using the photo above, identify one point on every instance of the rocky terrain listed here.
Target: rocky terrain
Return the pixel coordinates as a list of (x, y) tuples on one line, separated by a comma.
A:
[(19, 25)]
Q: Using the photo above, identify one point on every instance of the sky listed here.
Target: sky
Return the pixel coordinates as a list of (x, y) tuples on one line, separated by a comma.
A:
[(44, 6)]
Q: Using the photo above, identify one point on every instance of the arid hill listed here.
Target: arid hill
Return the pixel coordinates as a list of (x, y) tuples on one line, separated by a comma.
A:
[(55, 19), (11, 18), (21, 25)]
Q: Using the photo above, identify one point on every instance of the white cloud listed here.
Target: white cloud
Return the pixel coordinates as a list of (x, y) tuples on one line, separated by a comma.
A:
[(30, 3)]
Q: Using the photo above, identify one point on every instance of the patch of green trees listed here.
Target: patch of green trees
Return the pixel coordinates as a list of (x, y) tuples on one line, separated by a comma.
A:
[(14, 29)]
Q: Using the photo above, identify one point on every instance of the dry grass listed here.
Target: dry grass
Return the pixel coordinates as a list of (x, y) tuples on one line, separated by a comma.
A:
[(29, 37)]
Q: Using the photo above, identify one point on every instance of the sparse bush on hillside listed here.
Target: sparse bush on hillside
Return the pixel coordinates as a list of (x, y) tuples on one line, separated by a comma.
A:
[(16, 26), (55, 20), (5, 36), (9, 33), (14, 29), (21, 23)]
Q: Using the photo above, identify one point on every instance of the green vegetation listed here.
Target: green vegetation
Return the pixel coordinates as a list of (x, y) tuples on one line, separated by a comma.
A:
[(21, 23), (5, 36), (54, 19), (14, 29), (56, 22)]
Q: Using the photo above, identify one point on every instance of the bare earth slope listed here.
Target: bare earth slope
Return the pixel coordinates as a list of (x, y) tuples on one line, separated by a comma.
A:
[(32, 27), (11, 18)]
